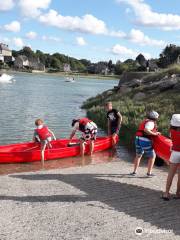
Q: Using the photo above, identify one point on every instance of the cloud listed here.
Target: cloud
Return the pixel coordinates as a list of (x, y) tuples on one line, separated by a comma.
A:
[(86, 24), (147, 17), (32, 8), (18, 42), (51, 38), (137, 36), (14, 26), (125, 52), (31, 35), (80, 41), (6, 5), (121, 50)]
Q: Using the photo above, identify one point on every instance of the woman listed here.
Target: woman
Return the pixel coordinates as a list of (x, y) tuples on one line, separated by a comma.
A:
[(174, 158)]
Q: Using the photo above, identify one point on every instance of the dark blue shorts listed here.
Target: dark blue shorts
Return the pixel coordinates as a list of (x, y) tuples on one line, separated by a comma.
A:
[(114, 130)]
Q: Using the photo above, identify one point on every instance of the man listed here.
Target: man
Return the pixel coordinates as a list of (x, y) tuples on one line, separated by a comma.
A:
[(89, 132), (143, 143), (114, 122)]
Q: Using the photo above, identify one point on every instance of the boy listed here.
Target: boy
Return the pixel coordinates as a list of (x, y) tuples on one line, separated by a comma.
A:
[(43, 135)]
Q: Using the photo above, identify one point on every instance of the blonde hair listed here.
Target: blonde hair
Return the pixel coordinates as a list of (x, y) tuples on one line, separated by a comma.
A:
[(38, 122)]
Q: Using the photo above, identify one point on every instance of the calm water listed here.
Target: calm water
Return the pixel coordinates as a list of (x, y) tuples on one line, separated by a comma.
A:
[(57, 102), (43, 96)]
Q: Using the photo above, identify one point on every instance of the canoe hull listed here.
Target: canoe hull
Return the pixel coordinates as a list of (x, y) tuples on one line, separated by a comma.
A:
[(30, 152), (162, 146)]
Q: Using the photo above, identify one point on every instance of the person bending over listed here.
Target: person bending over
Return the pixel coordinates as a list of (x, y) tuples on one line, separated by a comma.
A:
[(89, 132), (43, 135)]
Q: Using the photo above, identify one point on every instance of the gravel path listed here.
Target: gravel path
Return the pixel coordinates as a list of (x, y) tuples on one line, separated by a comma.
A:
[(95, 202)]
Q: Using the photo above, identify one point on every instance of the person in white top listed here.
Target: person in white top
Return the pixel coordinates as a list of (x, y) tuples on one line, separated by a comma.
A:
[(147, 129)]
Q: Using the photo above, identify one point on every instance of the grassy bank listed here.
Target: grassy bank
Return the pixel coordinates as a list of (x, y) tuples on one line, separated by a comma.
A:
[(133, 111)]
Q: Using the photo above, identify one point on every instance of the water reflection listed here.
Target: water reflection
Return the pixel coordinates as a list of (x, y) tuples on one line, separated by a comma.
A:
[(101, 157)]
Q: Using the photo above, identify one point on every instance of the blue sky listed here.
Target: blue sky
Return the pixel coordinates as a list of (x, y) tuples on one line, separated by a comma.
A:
[(93, 29)]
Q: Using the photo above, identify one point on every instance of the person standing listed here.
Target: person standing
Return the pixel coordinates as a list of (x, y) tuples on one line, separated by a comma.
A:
[(114, 122), (143, 142), (89, 132), (175, 157)]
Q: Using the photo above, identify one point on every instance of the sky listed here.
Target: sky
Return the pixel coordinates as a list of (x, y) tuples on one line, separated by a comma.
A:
[(98, 30)]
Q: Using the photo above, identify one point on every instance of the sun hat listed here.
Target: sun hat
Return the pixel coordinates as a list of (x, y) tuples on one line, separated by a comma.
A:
[(175, 120)]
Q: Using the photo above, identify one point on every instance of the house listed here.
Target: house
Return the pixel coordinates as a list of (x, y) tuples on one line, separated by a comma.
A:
[(35, 64), (5, 53), (21, 62), (32, 63), (67, 67)]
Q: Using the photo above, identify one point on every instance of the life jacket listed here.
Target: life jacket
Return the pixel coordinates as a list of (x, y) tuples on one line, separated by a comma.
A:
[(82, 123), (43, 133), (175, 136), (140, 132)]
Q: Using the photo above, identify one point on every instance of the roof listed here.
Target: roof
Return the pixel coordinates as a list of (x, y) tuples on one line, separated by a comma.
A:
[(22, 57), (4, 47)]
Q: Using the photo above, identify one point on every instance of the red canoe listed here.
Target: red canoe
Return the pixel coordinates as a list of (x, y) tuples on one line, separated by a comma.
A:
[(162, 146), (30, 152)]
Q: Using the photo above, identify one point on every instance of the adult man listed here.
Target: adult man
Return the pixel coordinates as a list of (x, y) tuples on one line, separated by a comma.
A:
[(143, 143), (114, 121)]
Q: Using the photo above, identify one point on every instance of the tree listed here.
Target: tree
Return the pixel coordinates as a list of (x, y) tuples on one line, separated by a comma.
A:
[(141, 60), (169, 55), (55, 63)]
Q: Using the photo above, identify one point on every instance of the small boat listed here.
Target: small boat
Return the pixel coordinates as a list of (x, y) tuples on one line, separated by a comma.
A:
[(69, 79), (162, 146), (30, 151), (5, 78)]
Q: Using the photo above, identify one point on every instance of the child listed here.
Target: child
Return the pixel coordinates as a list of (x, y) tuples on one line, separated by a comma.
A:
[(89, 132), (43, 135), (174, 158)]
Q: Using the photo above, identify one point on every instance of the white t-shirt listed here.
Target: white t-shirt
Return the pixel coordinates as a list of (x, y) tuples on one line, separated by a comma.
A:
[(150, 125)]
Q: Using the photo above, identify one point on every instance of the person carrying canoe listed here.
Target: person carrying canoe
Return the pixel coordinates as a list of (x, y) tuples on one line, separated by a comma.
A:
[(89, 132), (43, 135), (174, 158), (143, 142), (114, 122)]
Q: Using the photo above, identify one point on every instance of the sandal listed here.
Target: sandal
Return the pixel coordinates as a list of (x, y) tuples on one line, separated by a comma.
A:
[(176, 197), (165, 198)]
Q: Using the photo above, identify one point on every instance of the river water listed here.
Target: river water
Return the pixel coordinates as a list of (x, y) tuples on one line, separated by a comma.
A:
[(48, 97)]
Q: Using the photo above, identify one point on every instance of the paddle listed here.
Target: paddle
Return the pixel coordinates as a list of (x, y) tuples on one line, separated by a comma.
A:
[(73, 144)]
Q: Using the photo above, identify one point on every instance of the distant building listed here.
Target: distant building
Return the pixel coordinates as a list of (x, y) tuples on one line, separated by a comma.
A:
[(35, 64), (5, 53), (21, 62), (67, 67)]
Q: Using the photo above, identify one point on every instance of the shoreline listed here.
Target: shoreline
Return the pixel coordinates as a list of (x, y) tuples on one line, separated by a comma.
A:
[(63, 74)]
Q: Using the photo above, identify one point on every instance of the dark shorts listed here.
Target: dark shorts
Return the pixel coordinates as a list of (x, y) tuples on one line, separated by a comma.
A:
[(114, 130)]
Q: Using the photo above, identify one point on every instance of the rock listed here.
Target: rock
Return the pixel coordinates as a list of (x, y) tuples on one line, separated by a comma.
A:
[(135, 83), (168, 84), (139, 96), (125, 89), (109, 92)]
